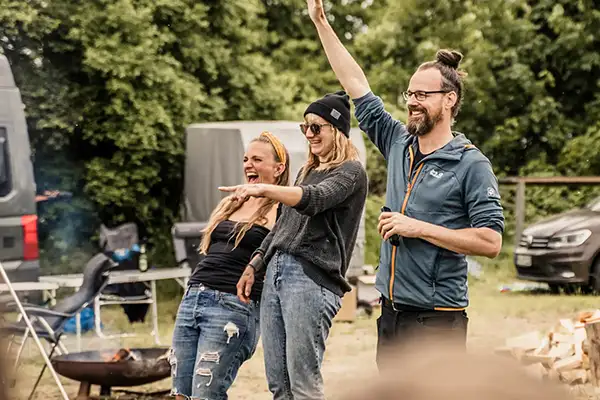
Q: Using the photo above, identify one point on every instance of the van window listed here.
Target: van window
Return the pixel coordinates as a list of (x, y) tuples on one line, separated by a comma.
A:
[(5, 176)]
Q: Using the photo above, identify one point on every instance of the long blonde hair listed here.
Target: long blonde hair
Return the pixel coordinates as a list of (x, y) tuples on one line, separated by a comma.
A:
[(343, 150), (228, 206)]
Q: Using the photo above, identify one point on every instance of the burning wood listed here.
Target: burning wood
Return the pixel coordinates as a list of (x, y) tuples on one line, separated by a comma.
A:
[(570, 352), (124, 355)]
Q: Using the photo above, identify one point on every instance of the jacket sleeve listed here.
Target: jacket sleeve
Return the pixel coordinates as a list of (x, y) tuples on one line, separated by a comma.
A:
[(482, 198), (333, 190), (379, 125)]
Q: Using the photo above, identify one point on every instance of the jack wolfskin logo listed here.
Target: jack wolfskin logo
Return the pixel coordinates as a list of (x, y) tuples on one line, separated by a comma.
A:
[(436, 174), (335, 114)]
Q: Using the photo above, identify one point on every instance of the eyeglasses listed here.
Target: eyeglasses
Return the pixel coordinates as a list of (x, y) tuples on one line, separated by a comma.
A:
[(421, 95), (315, 128)]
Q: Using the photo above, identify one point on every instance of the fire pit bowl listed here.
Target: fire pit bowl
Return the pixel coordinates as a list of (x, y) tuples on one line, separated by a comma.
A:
[(113, 367)]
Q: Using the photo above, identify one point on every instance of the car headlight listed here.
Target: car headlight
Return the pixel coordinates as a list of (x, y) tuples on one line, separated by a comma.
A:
[(569, 239)]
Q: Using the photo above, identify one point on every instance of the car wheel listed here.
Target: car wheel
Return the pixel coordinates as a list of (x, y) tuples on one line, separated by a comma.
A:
[(554, 288), (570, 289), (595, 277), (589, 288)]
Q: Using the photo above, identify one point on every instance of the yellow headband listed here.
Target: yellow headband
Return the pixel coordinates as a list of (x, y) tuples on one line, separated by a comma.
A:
[(277, 145)]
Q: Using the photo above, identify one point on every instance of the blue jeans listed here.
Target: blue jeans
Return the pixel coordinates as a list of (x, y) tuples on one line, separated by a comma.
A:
[(296, 317), (214, 334)]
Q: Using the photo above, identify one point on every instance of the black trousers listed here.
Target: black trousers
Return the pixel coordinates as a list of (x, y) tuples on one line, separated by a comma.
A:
[(400, 332)]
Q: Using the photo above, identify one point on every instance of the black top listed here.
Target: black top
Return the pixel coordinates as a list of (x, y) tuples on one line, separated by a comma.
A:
[(419, 156), (223, 265)]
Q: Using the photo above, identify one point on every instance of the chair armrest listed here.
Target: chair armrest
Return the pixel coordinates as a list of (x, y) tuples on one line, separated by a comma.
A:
[(45, 311), (12, 305)]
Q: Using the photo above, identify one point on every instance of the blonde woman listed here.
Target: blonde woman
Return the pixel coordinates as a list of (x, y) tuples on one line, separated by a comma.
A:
[(307, 253), (215, 332)]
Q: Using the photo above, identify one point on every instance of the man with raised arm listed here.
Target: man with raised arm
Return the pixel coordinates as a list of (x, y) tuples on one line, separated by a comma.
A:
[(441, 190)]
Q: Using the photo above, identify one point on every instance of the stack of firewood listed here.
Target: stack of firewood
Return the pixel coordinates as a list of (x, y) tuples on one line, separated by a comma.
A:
[(570, 352)]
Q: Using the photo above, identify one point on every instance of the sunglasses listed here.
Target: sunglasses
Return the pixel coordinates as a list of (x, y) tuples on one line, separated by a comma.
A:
[(315, 128)]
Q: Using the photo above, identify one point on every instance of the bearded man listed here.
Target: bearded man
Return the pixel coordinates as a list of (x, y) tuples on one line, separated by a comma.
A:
[(441, 192)]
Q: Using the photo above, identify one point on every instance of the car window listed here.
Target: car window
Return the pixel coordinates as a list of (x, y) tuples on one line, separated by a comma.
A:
[(5, 178), (594, 205)]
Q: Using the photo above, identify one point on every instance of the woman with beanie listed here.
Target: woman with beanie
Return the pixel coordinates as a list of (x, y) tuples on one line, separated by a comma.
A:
[(307, 253)]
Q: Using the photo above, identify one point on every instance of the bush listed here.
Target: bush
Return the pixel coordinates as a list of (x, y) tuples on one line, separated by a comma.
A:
[(373, 240)]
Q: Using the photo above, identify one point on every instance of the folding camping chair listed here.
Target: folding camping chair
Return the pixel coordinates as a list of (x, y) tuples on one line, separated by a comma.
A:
[(135, 298), (49, 323), (186, 238)]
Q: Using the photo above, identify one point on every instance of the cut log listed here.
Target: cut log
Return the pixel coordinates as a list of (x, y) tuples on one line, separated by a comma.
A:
[(544, 347), (517, 353), (575, 377), (543, 359), (593, 337), (568, 325), (590, 317), (562, 350), (558, 337), (529, 341), (579, 337), (585, 361), (568, 364)]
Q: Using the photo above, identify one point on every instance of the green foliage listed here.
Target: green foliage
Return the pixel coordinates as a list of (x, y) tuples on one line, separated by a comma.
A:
[(376, 169), (294, 48), (110, 86), (373, 239)]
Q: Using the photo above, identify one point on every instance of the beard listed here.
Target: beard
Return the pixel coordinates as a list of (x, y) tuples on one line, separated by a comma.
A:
[(424, 123)]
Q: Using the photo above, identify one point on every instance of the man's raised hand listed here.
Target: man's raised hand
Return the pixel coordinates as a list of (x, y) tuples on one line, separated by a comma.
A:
[(316, 10)]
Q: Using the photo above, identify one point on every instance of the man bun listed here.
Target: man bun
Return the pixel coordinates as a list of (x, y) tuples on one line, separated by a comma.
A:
[(450, 58)]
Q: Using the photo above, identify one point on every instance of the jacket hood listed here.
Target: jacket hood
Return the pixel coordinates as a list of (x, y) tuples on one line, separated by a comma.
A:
[(453, 149)]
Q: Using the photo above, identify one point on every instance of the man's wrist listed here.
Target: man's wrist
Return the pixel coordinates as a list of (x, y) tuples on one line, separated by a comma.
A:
[(321, 20), (423, 229)]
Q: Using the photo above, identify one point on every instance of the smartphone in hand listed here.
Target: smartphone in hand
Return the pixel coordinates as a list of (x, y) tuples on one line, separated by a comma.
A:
[(394, 239)]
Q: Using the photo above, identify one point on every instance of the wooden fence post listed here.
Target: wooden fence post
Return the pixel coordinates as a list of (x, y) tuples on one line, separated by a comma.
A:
[(519, 211)]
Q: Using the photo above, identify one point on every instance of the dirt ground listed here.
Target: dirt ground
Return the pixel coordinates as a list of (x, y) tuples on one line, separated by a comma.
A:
[(350, 356)]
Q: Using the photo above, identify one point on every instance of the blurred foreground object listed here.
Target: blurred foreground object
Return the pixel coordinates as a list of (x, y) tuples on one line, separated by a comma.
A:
[(437, 373)]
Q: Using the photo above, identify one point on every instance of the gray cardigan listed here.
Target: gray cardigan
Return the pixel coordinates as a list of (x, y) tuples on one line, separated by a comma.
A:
[(321, 229)]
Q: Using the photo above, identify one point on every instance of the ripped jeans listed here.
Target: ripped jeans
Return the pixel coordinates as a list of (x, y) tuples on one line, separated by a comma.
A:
[(214, 334)]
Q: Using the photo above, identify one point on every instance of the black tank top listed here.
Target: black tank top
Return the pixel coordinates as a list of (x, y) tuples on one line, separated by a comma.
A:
[(223, 265)]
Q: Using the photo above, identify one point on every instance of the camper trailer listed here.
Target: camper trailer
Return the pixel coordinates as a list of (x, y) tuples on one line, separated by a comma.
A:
[(18, 217)]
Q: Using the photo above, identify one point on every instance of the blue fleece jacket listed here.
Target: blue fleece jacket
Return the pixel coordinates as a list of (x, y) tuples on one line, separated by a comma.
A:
[(454, 187)]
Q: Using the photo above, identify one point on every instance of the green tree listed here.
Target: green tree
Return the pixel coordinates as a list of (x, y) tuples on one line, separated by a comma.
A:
[(111, 85), (296, 52)]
